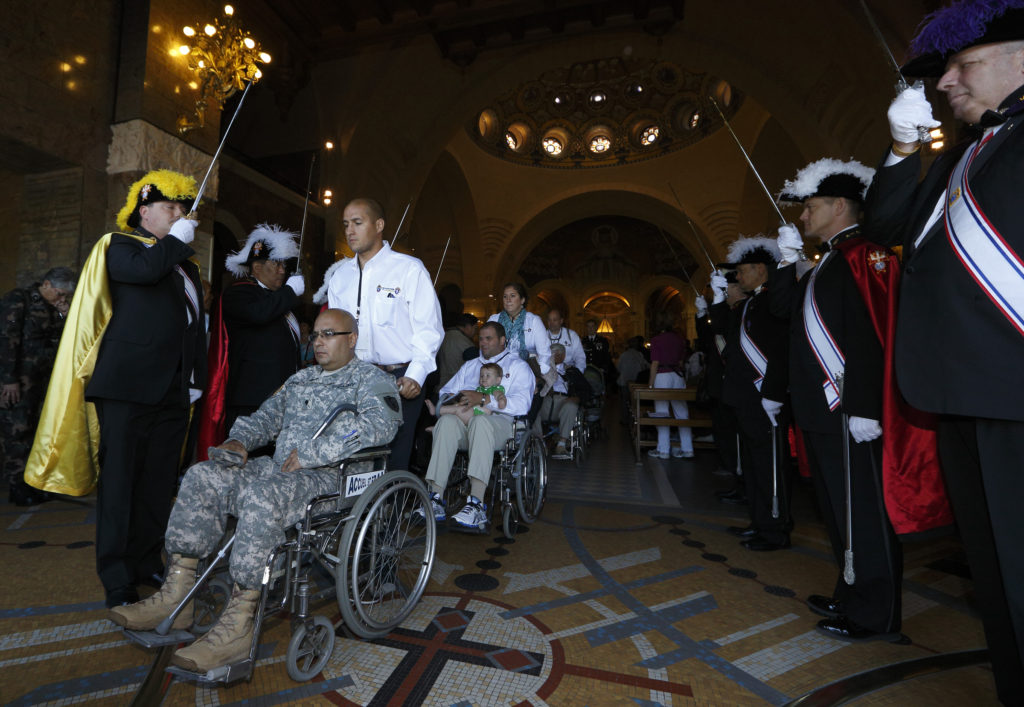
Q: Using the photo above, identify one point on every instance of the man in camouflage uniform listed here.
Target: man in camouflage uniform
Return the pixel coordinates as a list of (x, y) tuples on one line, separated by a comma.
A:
[(268, 494), (31, 321)]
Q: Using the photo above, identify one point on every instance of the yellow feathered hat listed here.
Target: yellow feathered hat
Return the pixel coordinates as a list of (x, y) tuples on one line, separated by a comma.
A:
[(158, 185)]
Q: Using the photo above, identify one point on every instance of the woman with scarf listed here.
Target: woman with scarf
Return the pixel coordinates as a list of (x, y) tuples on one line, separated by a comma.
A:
[(524, 331)]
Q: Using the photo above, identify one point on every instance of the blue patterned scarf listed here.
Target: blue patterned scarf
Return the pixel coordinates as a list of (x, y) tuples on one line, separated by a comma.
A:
[(514, 331)]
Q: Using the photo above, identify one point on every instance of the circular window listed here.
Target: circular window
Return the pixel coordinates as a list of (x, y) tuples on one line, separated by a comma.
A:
[(553, 146), (487, 124), (649, 136), (598, 99), (517, 135), (600, 144)]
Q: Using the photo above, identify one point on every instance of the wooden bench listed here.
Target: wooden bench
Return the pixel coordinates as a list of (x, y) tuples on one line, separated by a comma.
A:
[(642, 402)]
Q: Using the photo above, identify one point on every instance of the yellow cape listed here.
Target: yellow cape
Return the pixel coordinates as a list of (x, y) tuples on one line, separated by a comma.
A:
[(65, 454)]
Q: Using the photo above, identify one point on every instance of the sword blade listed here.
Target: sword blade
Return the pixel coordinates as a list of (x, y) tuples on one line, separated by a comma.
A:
[(775, 471), (398, 231), (447, 243), (209, 170), (750, 162), (305, 210), (695, 234), (849, 576)]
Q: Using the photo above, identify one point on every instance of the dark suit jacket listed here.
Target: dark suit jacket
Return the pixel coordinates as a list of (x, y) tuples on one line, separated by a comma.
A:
[(771, 334), (956, 353), (148, 346), (846, 317), (262, 352)]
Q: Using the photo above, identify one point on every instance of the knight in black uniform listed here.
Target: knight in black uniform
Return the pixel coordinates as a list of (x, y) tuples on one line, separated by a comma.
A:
[(755, 386), (959, 339), (826, 303), (263, 333)]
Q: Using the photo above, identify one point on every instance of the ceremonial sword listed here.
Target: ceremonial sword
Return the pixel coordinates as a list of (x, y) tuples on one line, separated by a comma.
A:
[(849, 576), (447, 243), (923, 134), (695, 234), (305, 210), (398, 231), (678, 259), (775, 469), (209, 171)]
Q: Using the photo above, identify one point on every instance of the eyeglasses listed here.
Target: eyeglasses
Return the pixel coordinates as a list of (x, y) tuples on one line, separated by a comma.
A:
[(328, 334)]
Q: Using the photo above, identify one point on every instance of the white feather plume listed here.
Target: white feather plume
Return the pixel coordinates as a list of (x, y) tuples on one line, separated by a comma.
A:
[(743, 245), (807, 179), (321, 295), (282, 247)]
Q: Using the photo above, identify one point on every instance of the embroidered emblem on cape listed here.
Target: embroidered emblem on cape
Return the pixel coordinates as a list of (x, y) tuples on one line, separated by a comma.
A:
[(879, 260)]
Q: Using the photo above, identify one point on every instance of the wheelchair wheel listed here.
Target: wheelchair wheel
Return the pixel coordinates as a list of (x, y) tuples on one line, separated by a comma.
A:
[(310, 648), (509, 521), (386, 556), (209, 604), (532, 479)]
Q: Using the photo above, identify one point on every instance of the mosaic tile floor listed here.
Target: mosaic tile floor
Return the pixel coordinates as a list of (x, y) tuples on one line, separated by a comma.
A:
[(638, 599)]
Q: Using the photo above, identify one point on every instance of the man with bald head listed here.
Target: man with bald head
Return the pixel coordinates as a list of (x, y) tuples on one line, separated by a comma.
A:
[(267, 494), (394, 303)]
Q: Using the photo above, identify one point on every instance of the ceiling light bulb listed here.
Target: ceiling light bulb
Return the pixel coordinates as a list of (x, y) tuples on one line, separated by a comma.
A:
[(184, 49), (329, 145), (202, 64), (249, 44), (210, 30), (188, 31), (264, 57), (228, 10), (258, 74), (327, 201), (328, 193)]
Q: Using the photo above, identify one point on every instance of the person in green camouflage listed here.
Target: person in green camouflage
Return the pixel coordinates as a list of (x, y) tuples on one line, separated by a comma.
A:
[(268, 494), (31, 321)]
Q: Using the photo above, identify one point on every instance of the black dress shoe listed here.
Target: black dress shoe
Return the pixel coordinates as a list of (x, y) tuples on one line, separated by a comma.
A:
[(844, 629), (120, 596), (748, 532), (735, 498), (825, 606), (759, 544), (21, 494)]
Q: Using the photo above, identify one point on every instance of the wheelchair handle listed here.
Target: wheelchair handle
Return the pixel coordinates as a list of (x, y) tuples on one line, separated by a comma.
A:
[(344, 407)]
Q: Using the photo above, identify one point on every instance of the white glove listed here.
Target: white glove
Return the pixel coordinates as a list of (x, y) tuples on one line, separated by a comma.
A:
[(864, 430), (719, 285), (297, 284), (702, 305), (772, 408), (184, 230), (791, 245), (909, 111)]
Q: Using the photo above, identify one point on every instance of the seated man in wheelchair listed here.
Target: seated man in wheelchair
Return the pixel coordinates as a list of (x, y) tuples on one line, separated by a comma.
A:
[(267, 494), (484, 434), (559, 404)]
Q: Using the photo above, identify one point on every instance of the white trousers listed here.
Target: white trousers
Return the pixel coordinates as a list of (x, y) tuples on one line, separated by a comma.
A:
[(680, 411)]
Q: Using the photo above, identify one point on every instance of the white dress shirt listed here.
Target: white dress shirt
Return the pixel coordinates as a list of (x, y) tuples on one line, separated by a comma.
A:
[(574, 353), (516, 378), (396, 307), (535, 335)]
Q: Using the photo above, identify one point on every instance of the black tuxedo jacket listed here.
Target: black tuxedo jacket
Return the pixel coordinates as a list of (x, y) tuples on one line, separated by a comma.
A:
[(149, 346), (956, 353), (262, 352), (771, 334), (846, 317)]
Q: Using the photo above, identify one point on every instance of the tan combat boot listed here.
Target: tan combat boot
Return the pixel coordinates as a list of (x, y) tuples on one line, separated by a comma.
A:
[(229, 640), (145, 615)]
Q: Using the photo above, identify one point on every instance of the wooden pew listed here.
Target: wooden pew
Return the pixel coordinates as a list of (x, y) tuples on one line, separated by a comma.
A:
[(642, 402)]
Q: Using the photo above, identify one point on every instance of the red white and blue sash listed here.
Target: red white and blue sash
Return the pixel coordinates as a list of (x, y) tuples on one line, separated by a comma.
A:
[(190, 294), (996, 268), (823, 345), (293, 325), (757, 359)]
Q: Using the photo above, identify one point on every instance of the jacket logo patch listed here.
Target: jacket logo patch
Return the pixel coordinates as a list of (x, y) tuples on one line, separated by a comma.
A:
[(392, 291)]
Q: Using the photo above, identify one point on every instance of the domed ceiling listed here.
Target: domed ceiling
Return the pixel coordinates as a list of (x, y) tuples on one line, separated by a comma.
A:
[(602, 113)]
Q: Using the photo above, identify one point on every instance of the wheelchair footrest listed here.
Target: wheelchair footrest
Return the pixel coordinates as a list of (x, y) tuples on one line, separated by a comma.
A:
[(152, 639), (217, 676)]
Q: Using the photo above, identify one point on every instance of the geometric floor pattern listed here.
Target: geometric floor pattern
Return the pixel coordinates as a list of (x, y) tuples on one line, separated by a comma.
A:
[(636, 597)]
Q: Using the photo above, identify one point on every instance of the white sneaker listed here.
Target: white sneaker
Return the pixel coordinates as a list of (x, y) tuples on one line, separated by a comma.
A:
[(473, 515), (680, 454), (657, 455), (436, 506)]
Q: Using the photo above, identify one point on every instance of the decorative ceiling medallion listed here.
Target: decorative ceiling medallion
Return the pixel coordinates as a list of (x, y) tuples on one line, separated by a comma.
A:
[(603, 113)]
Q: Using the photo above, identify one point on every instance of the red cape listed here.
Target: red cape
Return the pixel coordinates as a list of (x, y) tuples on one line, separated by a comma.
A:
[(915, 495), (211, 420)]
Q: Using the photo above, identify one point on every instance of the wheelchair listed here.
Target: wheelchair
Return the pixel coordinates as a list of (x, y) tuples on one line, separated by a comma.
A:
[(362, 536), (518, 484)]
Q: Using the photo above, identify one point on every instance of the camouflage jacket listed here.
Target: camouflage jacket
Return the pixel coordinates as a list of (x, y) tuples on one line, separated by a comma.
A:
[(30, 330), (296, 411)]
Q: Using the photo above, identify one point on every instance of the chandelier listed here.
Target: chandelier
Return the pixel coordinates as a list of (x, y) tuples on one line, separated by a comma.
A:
[(224, 58)]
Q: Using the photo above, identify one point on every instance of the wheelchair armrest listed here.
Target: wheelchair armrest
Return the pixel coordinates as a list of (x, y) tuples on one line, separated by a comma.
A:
[(367, 454)]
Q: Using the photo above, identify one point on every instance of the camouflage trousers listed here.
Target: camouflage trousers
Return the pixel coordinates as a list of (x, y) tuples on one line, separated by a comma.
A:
[(17, 432), (264, 500)]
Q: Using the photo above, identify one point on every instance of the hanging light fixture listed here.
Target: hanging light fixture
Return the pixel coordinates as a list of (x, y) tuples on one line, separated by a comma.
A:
[(605, 327), (224, 58)]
